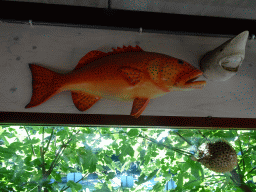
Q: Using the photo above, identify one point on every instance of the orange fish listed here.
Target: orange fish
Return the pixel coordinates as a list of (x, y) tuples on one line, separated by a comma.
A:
[(127, 73)]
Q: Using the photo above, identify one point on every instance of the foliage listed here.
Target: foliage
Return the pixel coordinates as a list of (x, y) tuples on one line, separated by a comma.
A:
[(31, 156)]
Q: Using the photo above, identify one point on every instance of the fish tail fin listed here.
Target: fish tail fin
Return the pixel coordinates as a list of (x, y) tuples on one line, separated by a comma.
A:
[(45, 84)]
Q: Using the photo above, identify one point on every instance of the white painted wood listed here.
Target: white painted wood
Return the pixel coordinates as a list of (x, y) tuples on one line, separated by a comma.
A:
[(60, 49)]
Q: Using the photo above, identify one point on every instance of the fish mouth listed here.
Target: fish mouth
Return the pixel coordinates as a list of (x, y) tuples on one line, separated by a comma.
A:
[(189, 80), (192, 80), (231, 63), (231, 69)]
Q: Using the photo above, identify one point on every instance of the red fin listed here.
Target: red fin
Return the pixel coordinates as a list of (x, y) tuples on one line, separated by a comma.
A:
[(45, 84), (90, 57), (139, 105), (83, 101), (133, 76), (126, 49), (94, 55)]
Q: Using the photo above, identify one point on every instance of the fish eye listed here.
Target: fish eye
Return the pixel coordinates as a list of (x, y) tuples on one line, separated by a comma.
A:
[(180, 61)]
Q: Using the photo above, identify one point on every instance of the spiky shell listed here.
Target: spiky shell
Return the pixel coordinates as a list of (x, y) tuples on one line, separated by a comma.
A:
[(219, 157)]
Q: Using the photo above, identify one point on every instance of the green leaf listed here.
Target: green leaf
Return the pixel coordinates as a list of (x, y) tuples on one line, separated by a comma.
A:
[(92, 167), (191, 183), (151, 175), (74, 186), (154, 154), (4, 171), (89, 161), (130, 151), (1, 130), (7, 134), (15, 145), (104, 188), (105, 130), (133, 132), (7, 152), (127, 150), (108, 160), (158, 187), (142, 154), (147, 159), (37, 162), (62, 133), (111, 175), (180, 181), (56, 176), (48, 130), (141, 179), (64, 167), (27, 160), (32, 141)]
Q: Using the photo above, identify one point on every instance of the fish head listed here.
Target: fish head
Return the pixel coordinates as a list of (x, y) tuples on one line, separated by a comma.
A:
[(180, 75), (223, 62)]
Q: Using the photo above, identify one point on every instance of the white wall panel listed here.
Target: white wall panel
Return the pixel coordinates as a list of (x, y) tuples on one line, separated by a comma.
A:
[(60, 49)]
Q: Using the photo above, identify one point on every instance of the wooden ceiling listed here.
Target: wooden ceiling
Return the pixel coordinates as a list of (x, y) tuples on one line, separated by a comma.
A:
[(243, 9)]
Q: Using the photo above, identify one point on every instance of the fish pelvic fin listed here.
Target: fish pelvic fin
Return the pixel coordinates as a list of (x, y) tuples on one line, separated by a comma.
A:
[(139, 105), (84, 101), (45, 84)]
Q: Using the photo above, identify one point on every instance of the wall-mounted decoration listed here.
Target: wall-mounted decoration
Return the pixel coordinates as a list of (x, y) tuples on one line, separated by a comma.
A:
[(223, 62), (127, 73), (60, 48), (218, 156)]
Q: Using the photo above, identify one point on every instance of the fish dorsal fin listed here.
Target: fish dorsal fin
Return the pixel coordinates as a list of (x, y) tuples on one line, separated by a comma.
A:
[(125, 49), (90, 57), (94, 55)]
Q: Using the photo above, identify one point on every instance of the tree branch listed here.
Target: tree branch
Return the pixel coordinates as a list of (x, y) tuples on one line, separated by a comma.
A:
[(183, 138), (54, 162), (239, 181), (203, 135), (169, 147), (49, 141), (30, 140), (42, 158), (240, 146), (68, 186), (251, 170), (42, 153)]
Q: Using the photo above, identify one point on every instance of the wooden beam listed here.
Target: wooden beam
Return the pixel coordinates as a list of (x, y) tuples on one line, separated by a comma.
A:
[(104, 18), (57, 119)]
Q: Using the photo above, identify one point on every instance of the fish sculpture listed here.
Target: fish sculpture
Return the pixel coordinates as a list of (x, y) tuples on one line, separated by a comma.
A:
[(128, 74), (223, 62)]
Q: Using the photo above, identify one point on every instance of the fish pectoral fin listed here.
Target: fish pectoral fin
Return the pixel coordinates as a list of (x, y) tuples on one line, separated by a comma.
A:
[(83, 101), (139, 105), (133, 76)]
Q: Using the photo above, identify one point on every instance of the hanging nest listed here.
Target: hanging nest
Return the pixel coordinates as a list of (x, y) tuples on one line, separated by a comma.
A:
[(219, 156)]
